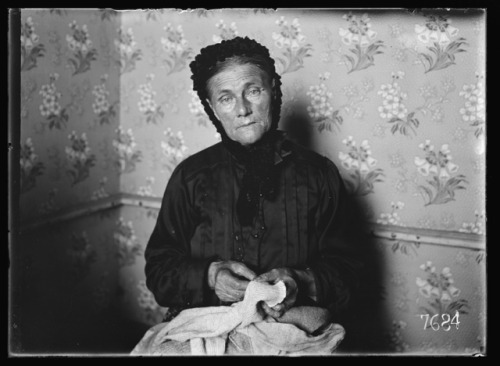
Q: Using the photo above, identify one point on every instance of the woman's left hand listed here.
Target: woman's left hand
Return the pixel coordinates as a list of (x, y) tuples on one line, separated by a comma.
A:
[(288, 276)]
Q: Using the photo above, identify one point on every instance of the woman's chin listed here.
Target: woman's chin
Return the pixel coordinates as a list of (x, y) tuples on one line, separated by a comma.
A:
[(250, 137)]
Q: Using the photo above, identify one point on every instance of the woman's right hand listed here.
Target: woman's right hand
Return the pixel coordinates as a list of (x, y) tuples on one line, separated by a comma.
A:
[(229, 279)]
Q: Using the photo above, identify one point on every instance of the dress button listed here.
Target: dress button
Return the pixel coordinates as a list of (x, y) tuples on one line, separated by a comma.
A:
[(236, 237), (263, 227), (255, 236)]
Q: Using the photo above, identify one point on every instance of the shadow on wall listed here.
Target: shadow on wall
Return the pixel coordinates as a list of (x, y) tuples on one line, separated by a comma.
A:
[(297, 124), (366, 319), (54, 296)]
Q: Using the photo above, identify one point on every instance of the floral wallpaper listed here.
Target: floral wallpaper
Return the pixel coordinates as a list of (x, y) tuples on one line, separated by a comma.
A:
[(395, 98), (69, 109)]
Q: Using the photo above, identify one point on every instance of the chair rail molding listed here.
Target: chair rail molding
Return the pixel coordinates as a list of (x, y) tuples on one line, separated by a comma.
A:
[(390, 232)]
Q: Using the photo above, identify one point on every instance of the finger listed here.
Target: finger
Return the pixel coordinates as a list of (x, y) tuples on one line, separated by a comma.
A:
[(271, 311), (240, 285), (229, 289), (228, 296), (279, 308), (226, 279), (270, 276), (290, 298), (242, 270), (275, 311), (235, 282), (261, 278)]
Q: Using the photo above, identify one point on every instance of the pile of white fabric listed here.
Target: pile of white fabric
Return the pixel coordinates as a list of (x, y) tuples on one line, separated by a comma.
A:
[(205, 331)]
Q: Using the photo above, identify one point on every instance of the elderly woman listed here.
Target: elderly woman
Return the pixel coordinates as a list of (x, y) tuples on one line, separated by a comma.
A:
[(253, 207)]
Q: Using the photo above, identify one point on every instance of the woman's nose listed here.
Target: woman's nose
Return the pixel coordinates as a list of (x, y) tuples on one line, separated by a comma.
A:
[(243, 107)]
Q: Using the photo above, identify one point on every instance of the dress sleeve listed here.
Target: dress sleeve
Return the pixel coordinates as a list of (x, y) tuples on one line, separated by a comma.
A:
[(175, 278), (337, 266)]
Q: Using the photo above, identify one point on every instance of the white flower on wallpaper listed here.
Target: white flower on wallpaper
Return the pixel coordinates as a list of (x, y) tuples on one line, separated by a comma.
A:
[(31, 168), (197, 110), (147, 190), (474, 110), (80, 44), (321, 109), (225, 32), (126, 149), (393, 108), (127, 51), (476, 227), (403, 121), (176, 47), (174, 149), (51, 109), (101, 191), (79, 157), (127, 245), (441, 296), (438, 36), (152, 312), (103, 109), (293, 43), (147, 104), (440, 171), (49, 205), (81, 255), (360, 37), (31, 48), (392, 218), (360, 164)]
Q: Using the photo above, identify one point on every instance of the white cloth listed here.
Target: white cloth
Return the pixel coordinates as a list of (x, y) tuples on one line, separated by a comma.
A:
[(207, 328)]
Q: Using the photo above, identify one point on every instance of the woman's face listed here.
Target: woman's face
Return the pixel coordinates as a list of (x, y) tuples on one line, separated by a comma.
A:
[(240, 96)]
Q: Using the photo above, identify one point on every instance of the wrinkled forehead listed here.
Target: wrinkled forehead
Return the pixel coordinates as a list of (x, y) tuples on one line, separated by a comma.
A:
[(236, 72), (234, 61)]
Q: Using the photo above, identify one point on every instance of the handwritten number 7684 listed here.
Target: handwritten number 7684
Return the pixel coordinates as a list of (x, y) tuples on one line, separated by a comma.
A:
[(447, 321)]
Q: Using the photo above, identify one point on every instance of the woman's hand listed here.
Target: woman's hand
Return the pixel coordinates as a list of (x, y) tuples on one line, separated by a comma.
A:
[(229, 279), (289, 277)]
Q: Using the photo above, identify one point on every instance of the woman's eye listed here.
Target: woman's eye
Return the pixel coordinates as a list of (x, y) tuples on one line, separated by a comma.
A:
[(254, 92), (225, 100)]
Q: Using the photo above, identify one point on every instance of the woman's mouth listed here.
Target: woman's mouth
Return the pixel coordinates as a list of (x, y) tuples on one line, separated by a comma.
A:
[(247, 124)]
